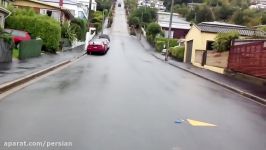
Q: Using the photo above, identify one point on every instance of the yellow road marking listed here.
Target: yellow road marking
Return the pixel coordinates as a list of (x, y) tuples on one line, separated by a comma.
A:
[(199, 123)]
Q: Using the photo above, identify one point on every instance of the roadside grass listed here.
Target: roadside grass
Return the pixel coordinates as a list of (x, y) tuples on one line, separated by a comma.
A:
[(15, 53)]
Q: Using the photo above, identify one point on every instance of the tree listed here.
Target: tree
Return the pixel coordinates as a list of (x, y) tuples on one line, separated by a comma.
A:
[(181, 9), (204, 13), (224, 12), (133, 21), (153, 29), (248, 17), (238, 17), (167, 3), (103, 4), (145, 15)]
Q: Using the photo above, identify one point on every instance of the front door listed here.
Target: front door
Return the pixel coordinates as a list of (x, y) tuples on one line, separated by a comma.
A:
[(189, 51)]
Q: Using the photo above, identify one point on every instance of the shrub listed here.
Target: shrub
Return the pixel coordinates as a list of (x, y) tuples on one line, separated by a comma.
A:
[(172, 42), (159, 45), (44, 27), (68, 32), (177, 52), (133, 21), (223, 41), (97, 18), (80, 27), (153, 29)]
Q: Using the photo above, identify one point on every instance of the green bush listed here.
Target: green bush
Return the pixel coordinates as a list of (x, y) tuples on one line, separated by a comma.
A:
[(6, 37), (98, 26), (80, 27), (159, 45), (133, 21), (44, 27), (223, 41), (69, 31), (172, 42), (153, 29), (177, 52), (97, 18)]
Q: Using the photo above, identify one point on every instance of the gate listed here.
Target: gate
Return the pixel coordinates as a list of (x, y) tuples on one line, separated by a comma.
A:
[(248, 58)]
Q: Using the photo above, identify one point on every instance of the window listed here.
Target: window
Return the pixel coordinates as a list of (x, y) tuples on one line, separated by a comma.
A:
[(49, 13), (81, 15), (209, 45), (166, 34)]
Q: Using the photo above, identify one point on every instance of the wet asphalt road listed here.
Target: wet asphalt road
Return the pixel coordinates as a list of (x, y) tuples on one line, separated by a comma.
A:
[(128, 100)]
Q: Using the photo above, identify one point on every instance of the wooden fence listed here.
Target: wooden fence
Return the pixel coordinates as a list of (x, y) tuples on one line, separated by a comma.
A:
[(248, 58)]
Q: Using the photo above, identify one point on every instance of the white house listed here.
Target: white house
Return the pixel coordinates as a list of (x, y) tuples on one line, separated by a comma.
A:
[(179, 27), (86, 3), (79, 10)]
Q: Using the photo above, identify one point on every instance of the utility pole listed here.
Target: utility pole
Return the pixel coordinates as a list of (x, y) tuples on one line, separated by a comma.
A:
[(103, 22), (89, 12), (61, 2), (169, 32)]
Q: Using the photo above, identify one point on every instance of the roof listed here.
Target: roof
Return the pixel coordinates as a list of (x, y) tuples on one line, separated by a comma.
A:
[(175, 25), (167, 13), (4, 11), (66, 11), (220, 27), (72, 2), (177, 22), (43, 3)]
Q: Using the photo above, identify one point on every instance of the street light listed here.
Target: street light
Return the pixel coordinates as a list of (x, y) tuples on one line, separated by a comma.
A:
[(169, 32)]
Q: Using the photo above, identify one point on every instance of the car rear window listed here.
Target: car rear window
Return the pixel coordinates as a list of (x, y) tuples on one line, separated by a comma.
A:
[(97, 42), (18, 33)]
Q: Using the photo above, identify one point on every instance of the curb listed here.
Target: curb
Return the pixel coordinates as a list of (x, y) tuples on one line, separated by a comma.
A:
[(7, 86), (246, 94)]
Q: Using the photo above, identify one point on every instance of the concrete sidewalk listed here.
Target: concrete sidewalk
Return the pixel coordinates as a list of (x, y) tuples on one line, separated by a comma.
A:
[(253, 91), (20, 68)]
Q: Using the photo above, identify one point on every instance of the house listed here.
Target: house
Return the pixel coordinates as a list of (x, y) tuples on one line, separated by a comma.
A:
[(179, 27), (152, 3), (78, 10), (45, 9), (201, 37), (86, 3), (4, 13), (258, 4)]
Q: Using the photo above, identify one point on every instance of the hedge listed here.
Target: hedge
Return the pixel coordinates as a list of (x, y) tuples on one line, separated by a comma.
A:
[(46, 28), (177, 52), (160, 42), (159, 45)]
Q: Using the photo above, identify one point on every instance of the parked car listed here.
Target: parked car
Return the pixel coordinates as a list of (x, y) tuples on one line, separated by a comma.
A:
[(97, 46), (106, 42), (104, 36), (18, 35)]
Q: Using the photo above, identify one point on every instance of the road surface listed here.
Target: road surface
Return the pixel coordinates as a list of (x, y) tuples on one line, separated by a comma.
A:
[(128, 100)]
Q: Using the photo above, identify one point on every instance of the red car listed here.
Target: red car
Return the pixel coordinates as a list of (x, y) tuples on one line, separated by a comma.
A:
[(18, 35), (97, 46)]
